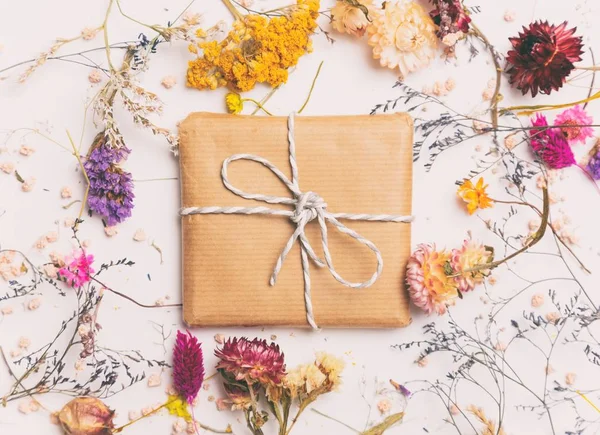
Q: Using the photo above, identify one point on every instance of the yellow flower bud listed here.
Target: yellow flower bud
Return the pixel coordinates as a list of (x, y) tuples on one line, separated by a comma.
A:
[(86, 416), (234, 103)]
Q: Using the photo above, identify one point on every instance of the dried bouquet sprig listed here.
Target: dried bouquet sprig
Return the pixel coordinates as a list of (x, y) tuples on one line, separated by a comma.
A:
[(251, 368)]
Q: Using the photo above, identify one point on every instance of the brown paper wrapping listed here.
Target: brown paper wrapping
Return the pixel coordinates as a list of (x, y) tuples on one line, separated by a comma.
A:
[(358, 164)]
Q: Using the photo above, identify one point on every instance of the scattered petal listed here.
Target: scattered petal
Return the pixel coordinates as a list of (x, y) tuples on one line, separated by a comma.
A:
[(384, 406), (88, 33), (154, 380), (34, 304), (26, 150), (24, 342), (510, 15), (111, 231), (537, 300), (7, 167), (65, 192), (570, 378), (139, 235), (169, 81), (27, 185)]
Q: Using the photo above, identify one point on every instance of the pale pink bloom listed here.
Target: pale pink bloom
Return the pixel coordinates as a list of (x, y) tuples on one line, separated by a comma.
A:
[(222, 404), (52, 236), (537, 300), (86, 243), (488, 94), (15, 353), (34, 304), (69, 222), (154, 380), (24, 342), (574, 120), (6, 310), (454, 410), (450, 84), (26, 150), (94, 76), (50, 270), (553, 317), (452, 38), (219, 338), (88, 33), (83, 330), (111, 231), (169, 81), (140, 235), (27, 185), (65, 192), (422, 362), (384, 406), (570, 378), (24, 407), (57, 258), (34, 405), (7, 167), (509, 16), (41, 243)]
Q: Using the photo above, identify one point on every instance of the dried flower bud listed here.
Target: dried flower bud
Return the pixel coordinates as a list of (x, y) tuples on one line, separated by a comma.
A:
[(86, 416)]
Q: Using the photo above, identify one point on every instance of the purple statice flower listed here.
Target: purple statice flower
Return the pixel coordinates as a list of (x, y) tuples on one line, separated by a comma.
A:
[(593, 165), (111, 188), (188, 366)]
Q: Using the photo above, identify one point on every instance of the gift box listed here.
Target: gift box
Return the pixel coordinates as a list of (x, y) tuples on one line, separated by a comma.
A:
[(357, 165)]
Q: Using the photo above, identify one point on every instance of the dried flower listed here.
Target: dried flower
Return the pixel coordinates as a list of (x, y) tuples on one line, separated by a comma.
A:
[(188, 366), (239, 398), (234, 103), (78, 270), (474, 195), (429, 285), (550, 145), (7, 167), (34, 304), (574, 121), (452, 20), (111, 188), (257, 50), (140, 235), (86, 416), (94, 76), (593, 165), (28, 184), (542, 57), (252, 361), (26, 150), (304, 379), (470, 255), (89, 33), (168, 82), (403, 36), (352, 17), (509, 15)]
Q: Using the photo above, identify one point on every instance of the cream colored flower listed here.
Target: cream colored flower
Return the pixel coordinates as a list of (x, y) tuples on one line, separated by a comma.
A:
[(403, 36), (332, 366), (352, 19), (304, 379)]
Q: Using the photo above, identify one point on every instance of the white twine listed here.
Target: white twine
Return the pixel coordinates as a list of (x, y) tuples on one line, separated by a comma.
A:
[(308, 206)]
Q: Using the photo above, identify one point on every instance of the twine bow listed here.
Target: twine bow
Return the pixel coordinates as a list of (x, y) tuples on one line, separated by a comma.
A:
[(308, 206)]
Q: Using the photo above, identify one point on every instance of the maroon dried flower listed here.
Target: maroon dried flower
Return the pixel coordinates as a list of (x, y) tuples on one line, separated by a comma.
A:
[(542, 57), (252, 361), (188, 366), (550, 145), (451, 19)]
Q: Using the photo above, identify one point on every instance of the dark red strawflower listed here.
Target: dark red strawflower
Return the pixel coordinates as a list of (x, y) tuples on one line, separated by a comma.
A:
[(542, 57), (550, 145), (188, 366), (252, 361)]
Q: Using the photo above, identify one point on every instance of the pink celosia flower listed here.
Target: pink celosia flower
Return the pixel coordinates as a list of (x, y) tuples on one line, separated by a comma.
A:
[(470, 255), (252, 361), (550, 145), (575, 117), (430, 287), (188, 366), (77, 271)]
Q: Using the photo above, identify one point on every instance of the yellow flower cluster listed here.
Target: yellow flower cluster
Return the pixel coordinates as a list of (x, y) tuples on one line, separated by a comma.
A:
[(257, 50)]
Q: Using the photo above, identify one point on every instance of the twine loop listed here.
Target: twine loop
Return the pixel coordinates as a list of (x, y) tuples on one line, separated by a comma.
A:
[(307, 206)]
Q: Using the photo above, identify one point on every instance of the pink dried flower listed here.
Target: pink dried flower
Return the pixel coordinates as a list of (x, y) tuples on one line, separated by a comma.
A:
[(470, 255), (252, 361), (188, 366), (573, 120), (550, 145), (429, 285), (77, 270), (7, 167)]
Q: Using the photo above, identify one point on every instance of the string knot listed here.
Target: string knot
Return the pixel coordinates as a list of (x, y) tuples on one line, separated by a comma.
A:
[(308, 206)]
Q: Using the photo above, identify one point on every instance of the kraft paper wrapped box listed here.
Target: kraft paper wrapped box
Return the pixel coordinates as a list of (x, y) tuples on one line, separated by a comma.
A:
[(357, 164)]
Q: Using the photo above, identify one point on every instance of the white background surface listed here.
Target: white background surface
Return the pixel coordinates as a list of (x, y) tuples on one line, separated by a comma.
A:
[(350, 83)]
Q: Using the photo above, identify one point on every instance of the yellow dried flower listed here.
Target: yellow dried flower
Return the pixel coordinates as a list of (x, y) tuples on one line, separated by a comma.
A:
[(256, 50), (332, 366), (234, 103), (352, 17)]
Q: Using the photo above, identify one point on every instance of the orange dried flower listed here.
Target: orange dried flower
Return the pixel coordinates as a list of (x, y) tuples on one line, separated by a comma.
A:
[(475, 195)]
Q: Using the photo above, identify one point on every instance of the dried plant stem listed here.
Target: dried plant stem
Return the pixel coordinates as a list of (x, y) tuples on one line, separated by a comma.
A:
[(539, 235), (258, 105), (87, 180), (105, 29), (560, 239), (130, 299), (237, 15), (311, 88), (588, 400), (529, 110), (335, 419), (496, 97)]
